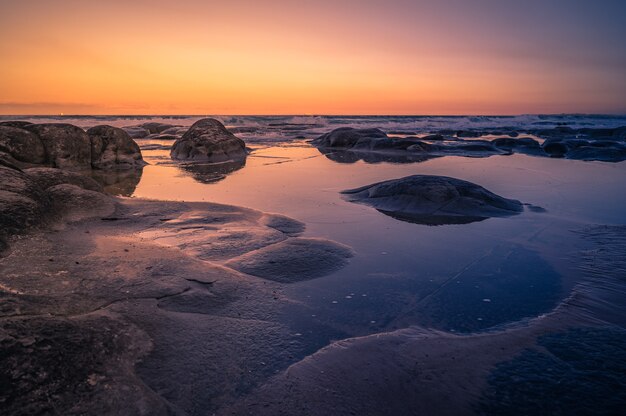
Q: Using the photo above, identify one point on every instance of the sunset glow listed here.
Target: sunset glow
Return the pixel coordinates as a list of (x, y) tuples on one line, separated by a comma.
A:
[(325, 57)]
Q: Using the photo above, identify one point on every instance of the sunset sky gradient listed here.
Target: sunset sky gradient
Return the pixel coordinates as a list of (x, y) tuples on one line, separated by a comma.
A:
[(317, 57)]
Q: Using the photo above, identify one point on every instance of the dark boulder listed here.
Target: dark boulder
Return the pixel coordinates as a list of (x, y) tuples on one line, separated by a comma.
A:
[(434, 200), (136, 132), (67, 146), (22, 146), (156, 128), (512, 143), (207, 140), (555, 148), (112, 148), (347, 137)]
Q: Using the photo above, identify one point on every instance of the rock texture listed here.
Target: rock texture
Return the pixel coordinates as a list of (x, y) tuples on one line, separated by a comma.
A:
[(208, 140), (49, 177), (434, 200), (67, 146), (23, 147), (23, 203), (112, 147)]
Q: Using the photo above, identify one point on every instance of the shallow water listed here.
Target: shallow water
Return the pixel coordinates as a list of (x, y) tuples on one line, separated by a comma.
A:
[(458, 278), (403, 273)]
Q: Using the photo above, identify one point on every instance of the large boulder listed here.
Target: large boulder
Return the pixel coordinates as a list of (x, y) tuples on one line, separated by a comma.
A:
[(22, 145), (112, 148), (67, 146), (434, 200), (208, 140)]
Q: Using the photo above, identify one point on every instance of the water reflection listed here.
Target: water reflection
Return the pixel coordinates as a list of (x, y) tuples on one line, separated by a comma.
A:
[(118, 182), (211, 172), (347, 156)]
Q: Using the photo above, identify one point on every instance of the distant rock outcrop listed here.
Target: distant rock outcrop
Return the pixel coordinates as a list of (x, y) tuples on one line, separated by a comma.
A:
[(434, 200), (208, 141)]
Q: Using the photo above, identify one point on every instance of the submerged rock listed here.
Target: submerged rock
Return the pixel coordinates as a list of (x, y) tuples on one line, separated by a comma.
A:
[(434, 200), (294, 260), (112, 147), (207, 140)]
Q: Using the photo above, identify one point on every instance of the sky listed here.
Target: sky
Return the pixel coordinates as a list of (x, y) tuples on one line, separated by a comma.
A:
[(312, 57)]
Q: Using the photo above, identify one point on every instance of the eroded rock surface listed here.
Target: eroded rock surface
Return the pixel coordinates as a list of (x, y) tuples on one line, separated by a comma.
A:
[(67, 146)]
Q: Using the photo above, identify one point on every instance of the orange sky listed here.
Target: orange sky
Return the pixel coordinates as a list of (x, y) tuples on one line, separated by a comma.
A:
[(324, 57)]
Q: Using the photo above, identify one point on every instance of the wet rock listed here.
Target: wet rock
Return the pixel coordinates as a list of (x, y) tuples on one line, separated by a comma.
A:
[(614, 153), (136, 132), (72, 367), (67, 146), (434, 200), (163, 137), (22, 146), (283, 224), (555, 148), (347, 137), (23, 203), (7, 161), (294, 260), (512, 143), (155, 128), (48, 177), (468, 133), (208, 140), (174, 131), (112, 148), (433, 137), (525, 145), (72, 203)]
